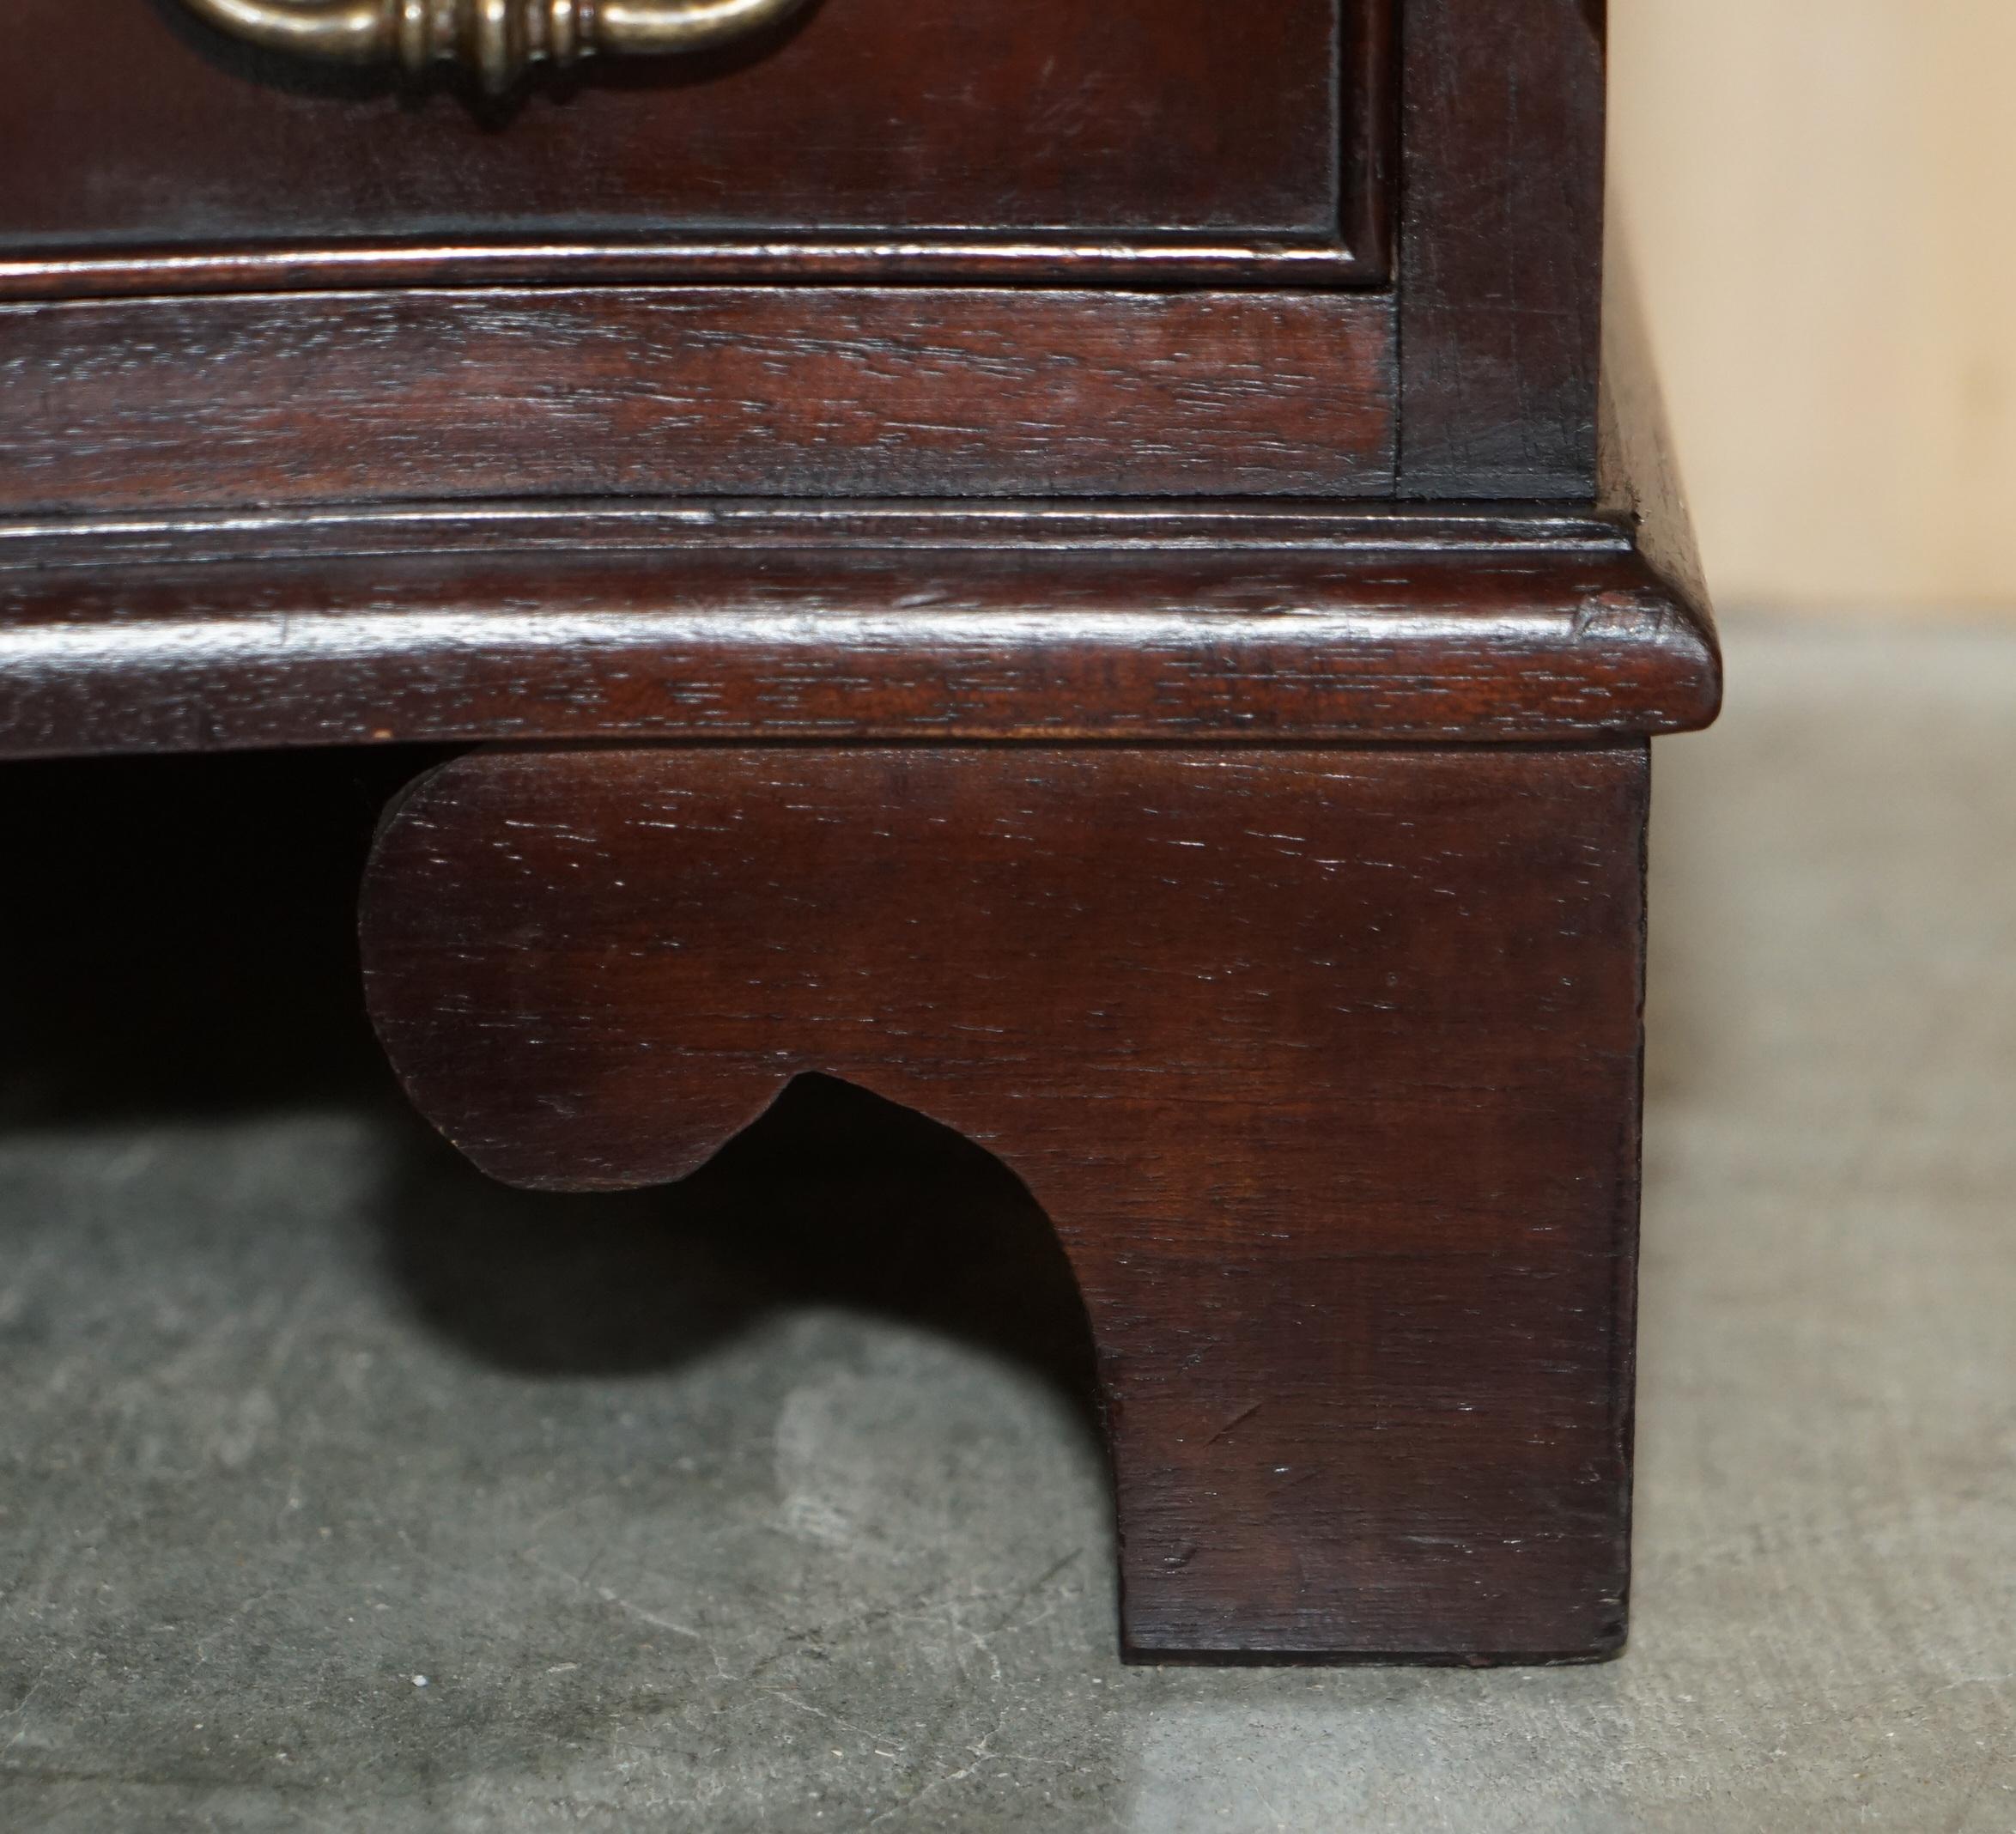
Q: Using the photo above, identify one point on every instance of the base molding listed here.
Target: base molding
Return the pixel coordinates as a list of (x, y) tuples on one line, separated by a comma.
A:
[(1170, 622)]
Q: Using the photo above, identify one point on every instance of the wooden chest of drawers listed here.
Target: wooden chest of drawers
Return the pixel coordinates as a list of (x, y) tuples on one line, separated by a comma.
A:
[(1094, 577)]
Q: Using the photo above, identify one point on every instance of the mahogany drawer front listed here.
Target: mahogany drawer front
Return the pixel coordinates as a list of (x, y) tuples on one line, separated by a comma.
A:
[(1009, 139), (1232, 250)]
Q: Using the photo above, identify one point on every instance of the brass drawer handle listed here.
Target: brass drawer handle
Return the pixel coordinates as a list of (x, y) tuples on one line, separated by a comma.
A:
[(495, 38)]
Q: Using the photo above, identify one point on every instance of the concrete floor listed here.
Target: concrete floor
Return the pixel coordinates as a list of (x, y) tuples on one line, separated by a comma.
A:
[(343, 1490)]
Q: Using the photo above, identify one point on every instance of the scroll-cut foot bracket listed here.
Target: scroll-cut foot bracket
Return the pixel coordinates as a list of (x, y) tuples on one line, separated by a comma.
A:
[(1323, 1063)]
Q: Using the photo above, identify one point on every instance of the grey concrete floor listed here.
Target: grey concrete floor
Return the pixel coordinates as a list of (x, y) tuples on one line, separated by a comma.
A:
[(340, 1490)]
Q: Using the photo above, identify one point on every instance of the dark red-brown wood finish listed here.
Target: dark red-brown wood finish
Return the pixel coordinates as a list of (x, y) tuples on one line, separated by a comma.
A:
[(316, 400), (1324, 1065), (1168, 140), (1488, 338), (1083, 567), (956, 621), (1502, 281)]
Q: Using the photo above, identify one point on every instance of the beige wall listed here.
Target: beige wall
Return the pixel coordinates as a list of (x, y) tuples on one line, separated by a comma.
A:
[(1822, 196)]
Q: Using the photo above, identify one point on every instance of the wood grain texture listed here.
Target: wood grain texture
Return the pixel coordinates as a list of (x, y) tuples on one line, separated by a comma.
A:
[(1324, 1063), (910, 138), (1502, 111), (223, 402), (1181, 622)]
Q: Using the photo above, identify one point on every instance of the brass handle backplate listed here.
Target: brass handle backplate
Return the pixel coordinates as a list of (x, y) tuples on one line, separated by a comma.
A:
[(496, 40)]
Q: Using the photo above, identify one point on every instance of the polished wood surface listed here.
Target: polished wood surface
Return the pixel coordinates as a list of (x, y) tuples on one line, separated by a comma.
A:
[(1471, 375), (955, 621), (699, 391), (878, 136), (1324, 1063), (1502, 278), (1006, 589)]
